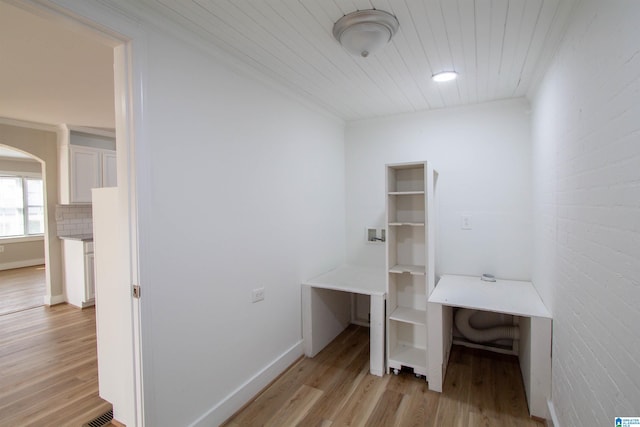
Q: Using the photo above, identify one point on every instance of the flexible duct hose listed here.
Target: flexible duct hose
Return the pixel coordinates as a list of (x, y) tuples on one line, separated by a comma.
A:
[(483, 335)]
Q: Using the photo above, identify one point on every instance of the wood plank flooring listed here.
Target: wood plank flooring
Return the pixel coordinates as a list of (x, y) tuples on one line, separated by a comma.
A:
[(22, 288), (48, 367), (48, 377), (335, 389)]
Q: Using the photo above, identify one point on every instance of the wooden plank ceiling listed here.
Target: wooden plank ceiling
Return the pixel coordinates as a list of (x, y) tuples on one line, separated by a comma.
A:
[(500, 48)]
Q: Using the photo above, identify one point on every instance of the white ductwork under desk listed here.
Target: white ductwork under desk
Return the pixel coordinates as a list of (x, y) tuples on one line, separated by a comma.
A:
[(512, 297)]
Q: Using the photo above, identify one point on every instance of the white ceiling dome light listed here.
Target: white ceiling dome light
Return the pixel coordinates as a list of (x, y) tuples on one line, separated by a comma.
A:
[(365, 31)]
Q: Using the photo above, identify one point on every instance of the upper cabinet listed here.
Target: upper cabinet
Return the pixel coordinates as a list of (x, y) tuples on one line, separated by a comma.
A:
[(87, 160), (109, 178)]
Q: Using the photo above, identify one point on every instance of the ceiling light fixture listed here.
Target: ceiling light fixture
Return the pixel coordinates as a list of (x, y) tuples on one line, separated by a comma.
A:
[(444, 76), (365, 31)]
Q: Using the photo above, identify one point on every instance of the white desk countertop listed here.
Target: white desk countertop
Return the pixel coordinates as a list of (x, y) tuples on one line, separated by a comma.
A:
[(503, 296), (349, 278)]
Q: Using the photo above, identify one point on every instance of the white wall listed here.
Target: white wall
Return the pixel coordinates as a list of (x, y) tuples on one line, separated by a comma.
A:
[(21, 254), (12, 165), (246, 190), (586, 168), (483, 157)]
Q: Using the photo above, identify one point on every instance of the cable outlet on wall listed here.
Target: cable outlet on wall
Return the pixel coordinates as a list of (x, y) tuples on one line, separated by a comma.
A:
[(375, 235), (257, 294)]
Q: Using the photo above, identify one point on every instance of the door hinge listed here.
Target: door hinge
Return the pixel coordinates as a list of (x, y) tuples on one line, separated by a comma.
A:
[(136, 291)]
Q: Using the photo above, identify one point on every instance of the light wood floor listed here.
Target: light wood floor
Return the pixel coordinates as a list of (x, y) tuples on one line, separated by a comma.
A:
[(335, 389), (48, 367), (22, 288)]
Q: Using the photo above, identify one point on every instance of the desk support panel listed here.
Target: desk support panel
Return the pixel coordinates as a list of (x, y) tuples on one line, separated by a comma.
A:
[(376, 350), (535, 363), (327, 312)]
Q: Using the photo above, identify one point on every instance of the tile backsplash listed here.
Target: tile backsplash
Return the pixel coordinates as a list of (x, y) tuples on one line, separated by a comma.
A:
[(74, 219)]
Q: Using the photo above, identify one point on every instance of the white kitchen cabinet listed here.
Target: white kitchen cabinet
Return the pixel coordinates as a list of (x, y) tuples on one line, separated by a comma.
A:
[(87, 160), (84, 169), (79, 272), (109, 172), (89, 275), (410, 263)]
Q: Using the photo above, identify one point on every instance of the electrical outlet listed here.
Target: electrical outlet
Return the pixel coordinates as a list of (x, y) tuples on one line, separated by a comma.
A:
[(257, 294), (1, 249)]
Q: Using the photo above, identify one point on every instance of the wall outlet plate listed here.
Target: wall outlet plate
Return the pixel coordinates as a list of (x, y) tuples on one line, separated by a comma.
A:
[(465, 222), (257, 295)]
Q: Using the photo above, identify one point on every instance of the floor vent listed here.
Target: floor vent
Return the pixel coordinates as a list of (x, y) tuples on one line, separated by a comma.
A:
[(100, 421)]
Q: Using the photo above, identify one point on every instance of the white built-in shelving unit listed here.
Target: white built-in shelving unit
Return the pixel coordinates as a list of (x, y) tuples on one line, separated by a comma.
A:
[(410, 263)]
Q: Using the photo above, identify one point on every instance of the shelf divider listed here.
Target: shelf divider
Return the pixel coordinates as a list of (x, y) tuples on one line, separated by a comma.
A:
[(409, 315), (410, 356), (405, 193), (416, 270)]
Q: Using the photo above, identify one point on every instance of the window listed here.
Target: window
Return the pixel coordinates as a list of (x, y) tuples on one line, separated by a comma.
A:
[(21, 206)]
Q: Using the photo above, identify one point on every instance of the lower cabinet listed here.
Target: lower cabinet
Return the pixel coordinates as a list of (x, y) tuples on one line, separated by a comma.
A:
[(79, 272)]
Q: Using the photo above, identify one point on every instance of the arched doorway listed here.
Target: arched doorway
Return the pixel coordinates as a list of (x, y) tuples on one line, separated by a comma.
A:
[(22, 228), (40, 144)]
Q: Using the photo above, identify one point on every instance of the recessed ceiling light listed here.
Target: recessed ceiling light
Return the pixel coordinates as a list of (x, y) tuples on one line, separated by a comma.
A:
[(444, 76)]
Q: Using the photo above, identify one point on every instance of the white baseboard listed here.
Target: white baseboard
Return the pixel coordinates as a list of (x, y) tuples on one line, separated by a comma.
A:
[(239, 397), (54, 299), (552, 414), (20, 264)]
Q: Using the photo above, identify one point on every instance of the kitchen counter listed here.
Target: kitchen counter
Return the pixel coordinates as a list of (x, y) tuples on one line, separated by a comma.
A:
[(81, 237)]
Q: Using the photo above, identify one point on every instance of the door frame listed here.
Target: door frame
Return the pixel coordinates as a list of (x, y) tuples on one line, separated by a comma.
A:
[(95, 20)]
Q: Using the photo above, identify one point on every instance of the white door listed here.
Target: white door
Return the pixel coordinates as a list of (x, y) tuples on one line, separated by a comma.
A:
[(114, 314)]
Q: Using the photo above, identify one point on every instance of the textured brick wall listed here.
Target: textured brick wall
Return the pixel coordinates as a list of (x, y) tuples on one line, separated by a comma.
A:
[(586, 166)]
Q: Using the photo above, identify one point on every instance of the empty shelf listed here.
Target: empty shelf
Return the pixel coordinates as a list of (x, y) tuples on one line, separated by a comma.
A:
[(411, 269), (405, 193), (409, 315), (409, 356)]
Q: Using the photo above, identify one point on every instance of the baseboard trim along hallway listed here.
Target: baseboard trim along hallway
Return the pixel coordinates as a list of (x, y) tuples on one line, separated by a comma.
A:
[(553, 422), (247, 391)]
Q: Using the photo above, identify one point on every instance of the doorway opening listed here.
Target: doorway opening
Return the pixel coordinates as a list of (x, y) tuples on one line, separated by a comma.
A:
[(22, 229), (58, 97)]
